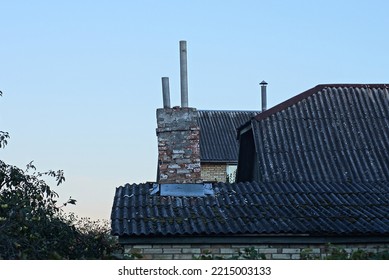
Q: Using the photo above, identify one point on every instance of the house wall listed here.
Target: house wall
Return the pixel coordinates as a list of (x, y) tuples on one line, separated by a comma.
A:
[(214, 172), (270, 251)]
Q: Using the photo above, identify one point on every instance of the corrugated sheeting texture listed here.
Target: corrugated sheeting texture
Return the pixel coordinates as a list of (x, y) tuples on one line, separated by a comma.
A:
[(337, 134), (317, 209), (218, 134)]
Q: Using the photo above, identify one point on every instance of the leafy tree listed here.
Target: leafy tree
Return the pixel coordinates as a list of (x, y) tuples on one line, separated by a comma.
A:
[(34, 226)]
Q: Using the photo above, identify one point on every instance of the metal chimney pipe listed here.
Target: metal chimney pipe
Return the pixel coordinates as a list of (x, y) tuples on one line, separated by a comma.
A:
[(183, 74), (263, 94), (165, 92)]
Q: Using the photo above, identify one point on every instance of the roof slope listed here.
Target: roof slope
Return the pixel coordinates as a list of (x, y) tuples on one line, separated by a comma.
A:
[(331, 133), (334, 209), (218, 134)]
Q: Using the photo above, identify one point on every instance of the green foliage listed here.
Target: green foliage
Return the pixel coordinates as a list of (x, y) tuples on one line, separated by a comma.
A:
[(94, 240), (307, 254), (3, 139), (208, 256), (338, 253), (132, 256), (247, 254), (34, 226), (333, 253), (28, 212), (252, 254)]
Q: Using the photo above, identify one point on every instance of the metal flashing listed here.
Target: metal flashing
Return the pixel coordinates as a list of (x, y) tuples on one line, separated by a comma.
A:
[(155, 189), (208, 190), (196, 190)]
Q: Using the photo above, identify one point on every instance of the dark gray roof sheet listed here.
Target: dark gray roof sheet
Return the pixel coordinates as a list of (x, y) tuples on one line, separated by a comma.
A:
[(330, 133), (218, 134), (319, 209)]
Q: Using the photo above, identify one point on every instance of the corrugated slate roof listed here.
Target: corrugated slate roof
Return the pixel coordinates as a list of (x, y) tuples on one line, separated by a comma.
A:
[(218, 134), (318, 209), (330, 133)]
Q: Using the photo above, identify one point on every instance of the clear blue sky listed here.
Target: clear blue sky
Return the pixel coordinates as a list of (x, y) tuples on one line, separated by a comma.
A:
[(82, 79)]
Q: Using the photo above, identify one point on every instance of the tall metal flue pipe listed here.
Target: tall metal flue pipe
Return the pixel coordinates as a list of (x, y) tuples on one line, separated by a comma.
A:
[(263, 94), (183, 74), (165, 92)]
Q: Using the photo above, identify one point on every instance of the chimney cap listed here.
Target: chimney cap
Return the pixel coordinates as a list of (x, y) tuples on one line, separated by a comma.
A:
[(263, 83)]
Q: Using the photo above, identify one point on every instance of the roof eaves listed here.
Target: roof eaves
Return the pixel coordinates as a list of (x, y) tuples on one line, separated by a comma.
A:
[(230, 161)]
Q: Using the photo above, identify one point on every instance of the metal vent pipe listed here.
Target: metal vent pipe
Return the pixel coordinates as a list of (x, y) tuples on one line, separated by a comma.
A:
[(165, 92), (183, 74), (263, 94)]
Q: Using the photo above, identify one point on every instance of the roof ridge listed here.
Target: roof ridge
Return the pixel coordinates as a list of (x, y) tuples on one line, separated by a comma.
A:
[(210, 110), (305, 94), (359, 85)]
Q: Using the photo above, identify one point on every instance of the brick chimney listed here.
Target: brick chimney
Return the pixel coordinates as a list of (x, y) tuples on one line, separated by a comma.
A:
[(178, 145), (178, 134)]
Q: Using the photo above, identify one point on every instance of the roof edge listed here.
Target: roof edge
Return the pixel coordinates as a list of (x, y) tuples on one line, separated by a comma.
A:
[(253, 239), (226, 161)]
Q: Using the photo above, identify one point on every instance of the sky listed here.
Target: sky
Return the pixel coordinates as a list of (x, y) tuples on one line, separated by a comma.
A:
[(81, 80)]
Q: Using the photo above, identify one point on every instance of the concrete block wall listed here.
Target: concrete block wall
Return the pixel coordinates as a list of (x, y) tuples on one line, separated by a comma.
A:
[(214, 172), (178, 145), (226, 251)]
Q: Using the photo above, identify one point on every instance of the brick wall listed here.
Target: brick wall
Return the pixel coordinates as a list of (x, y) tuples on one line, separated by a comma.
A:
[(271, 251), (214, 172)]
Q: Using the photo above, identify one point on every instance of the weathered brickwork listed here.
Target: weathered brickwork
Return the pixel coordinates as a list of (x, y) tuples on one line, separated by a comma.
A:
[(214, 172), (270, 251), (178, 145)]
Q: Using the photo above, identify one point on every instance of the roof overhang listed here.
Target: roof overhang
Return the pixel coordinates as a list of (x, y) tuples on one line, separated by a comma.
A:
[(219, 161), (254, 239)]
